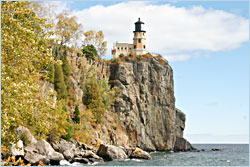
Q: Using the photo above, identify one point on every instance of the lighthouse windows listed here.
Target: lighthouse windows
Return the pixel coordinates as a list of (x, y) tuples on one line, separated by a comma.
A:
[(144, 46), (139, 40), (134, 46)]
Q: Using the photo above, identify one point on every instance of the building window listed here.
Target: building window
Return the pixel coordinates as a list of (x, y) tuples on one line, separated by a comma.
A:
[(125, 48), (139, 40), (144, 46), (134, 46), (129, 48), (118, 48), (121, 48)]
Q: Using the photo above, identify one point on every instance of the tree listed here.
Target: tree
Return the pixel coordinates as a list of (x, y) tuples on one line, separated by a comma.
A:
[(67, 28), (65, 68), (70, 128), (97, 40), (90, 52), (60, 86), (77, 115), (93, 99), (25, 57), (51, 72)]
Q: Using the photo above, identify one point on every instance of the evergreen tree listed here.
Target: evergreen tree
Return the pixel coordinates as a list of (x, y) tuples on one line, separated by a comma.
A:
[(77, 115), (66, 69), (70, 128), (51, 73), (90, 52), (60, 86), (93, 99)]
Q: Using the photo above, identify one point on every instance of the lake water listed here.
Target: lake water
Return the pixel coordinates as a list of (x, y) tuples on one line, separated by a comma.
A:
[(230, 155)]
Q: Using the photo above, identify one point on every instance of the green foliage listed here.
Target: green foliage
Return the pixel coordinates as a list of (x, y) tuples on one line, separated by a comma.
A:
[(51, 73), (65, 68), (93, 99), (58, 124), (114, 60), (69, 134), (77, 115), (60, 86), (90, 52), (121, 55), (108, 95), (25, 56)]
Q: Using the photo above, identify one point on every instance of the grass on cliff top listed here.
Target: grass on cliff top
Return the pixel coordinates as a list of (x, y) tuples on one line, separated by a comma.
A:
[(132, 57)]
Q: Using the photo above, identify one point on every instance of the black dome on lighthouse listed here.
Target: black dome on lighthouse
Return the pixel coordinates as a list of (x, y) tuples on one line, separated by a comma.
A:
[(138, 26)]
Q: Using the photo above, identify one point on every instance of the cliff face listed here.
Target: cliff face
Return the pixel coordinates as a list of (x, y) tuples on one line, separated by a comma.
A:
[(146, 108), (147, 104)]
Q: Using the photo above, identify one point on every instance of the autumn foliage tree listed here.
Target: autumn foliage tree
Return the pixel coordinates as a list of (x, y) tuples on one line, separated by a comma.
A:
[(25, 56), (97, 40)]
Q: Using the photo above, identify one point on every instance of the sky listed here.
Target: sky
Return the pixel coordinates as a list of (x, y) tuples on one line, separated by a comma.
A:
[(206, 44)]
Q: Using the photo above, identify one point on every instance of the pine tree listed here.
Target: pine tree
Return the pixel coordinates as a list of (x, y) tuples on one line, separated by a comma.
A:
[(66, 68), (51, 73), (60, 86), (77, 115)]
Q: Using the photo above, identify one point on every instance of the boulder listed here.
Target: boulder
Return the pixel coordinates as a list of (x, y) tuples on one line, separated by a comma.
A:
[(90, 154), (109, 152), (140, 154), (65, 148), (17, 149), (68, 154), (80, 160), (182, 144), (44, 148), (25, 134), (34, 158), (30, 149)]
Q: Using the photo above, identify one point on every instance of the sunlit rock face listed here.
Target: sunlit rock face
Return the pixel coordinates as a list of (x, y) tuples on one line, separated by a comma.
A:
[(147, 104)]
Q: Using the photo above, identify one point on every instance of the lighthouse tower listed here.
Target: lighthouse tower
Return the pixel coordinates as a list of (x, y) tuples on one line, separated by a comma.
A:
[(139, 39)]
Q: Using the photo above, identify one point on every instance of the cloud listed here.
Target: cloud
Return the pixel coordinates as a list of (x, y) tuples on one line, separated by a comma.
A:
[(174, 32)]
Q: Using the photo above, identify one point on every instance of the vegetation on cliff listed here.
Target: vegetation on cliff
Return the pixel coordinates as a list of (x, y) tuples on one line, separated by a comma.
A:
[(30, 59)]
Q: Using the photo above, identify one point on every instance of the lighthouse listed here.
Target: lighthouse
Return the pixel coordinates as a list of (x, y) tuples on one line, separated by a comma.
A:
[(139, 43), (139, 39)]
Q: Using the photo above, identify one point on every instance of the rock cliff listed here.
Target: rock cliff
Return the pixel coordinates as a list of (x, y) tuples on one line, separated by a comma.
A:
[(146, 107), (147, 104)]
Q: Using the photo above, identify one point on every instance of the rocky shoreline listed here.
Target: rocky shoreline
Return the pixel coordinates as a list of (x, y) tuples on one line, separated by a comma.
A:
[(71, 153)]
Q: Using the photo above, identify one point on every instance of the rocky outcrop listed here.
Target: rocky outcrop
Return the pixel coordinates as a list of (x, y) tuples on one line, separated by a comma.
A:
[(147, 103), (138, 153), (182, 144), (24, 133), (110, 153)]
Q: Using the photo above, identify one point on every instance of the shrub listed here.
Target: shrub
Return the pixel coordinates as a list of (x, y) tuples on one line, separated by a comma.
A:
[(114, 60), (93, 99), (121, 55), (90, 52)]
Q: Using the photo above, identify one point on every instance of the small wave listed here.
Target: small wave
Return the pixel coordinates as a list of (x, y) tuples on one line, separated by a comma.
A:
[(138, 160)]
